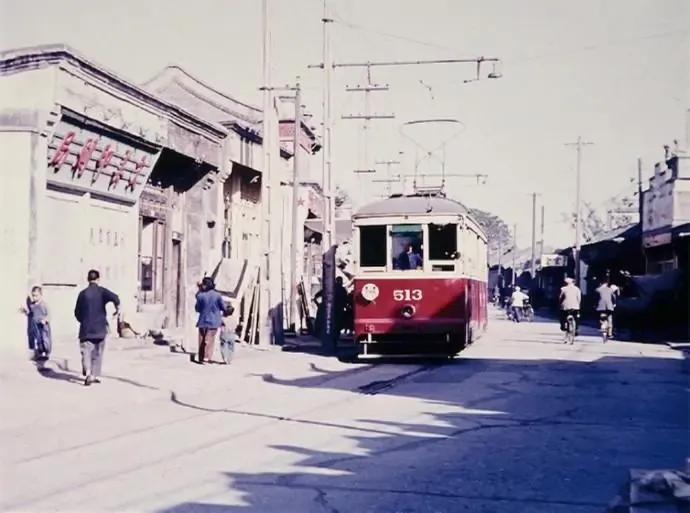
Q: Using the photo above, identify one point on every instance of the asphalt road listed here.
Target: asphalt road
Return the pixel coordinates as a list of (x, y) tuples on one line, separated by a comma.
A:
[(518, 423)]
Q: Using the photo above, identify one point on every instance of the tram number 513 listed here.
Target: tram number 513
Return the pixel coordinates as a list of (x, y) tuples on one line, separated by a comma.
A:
[(407, 295)]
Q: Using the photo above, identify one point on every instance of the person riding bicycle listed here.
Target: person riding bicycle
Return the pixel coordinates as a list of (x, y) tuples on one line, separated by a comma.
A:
[(607, 303), (569, 300), (517, 303)]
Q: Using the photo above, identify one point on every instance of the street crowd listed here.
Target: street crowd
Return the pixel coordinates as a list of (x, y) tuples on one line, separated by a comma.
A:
[(214, 321)]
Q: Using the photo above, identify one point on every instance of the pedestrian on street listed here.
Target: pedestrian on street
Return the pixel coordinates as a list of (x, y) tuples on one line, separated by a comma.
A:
[(606, 303), (340, 303), (517, 303), (93, 325), (38, 325), (569, 299), (210, 307), (228, 335)]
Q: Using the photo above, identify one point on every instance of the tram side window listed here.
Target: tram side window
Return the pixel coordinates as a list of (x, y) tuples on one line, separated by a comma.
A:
[(372, 246), (406, 247)]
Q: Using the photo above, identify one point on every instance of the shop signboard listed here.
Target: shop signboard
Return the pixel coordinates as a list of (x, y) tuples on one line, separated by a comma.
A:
[(553, 261), (86, 157)]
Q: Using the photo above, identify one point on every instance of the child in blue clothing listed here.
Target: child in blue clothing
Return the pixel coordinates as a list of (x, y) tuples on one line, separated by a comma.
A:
[(228, 335), (38, 327)]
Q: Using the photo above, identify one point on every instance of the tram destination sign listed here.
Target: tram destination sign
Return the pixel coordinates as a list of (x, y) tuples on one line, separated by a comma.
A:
[(86, 158)]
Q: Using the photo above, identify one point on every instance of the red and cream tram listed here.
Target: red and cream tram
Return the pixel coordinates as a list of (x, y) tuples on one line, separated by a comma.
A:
[(420, 274)]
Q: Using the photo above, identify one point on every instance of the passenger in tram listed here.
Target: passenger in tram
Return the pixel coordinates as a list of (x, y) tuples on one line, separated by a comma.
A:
[(409, 259)]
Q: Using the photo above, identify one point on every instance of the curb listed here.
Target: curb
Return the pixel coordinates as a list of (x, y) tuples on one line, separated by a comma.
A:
[(684, 348)]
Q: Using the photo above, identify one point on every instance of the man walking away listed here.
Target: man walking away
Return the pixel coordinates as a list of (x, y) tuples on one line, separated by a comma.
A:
[(569, 300), (517, 303), (93, 325), (210, 307), (606, 303)]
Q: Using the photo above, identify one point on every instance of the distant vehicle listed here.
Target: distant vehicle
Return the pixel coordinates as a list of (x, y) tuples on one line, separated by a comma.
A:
[(420, 274)]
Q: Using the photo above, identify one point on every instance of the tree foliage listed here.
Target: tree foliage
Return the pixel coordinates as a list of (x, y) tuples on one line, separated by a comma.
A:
[(495, 228), (617, 212), (341, 197)]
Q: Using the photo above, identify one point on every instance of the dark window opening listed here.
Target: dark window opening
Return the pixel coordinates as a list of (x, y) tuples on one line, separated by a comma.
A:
[(151, 252), (443, 241), (372, 246)]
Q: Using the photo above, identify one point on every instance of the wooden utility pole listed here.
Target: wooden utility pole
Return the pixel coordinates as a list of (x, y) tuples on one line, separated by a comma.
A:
[(389, 178), (265, 273), (328, 335), (297, 246), (578, 207), (541, 233), (534, 235), (514, 253), (367, 89), (640, 206)]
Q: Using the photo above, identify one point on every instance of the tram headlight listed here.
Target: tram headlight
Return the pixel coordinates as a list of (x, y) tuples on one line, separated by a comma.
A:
[(370, 291), (408, 311)]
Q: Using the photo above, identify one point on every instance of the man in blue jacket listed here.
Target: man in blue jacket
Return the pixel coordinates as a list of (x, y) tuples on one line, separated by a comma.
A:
[(93, 325), (210, 306)]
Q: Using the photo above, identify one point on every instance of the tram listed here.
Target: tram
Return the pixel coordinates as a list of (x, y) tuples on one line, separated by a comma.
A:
[(420, 274)]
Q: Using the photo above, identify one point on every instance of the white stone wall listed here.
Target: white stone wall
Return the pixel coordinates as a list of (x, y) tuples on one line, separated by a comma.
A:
[(28, 90), (79, 233), (15, 215)]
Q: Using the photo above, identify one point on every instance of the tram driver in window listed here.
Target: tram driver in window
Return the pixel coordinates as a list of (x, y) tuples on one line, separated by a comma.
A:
[(409, 259)]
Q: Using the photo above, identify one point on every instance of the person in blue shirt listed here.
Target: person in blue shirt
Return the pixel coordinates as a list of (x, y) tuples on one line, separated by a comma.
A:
[(210, 307)]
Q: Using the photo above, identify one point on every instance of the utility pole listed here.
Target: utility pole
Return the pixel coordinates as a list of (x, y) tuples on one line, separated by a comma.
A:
[(328, 335), (389, 179), (265, 273), (514, 253), (367, 116), (541, 233), (640, 205), (296, 262), (578, 207), (532, 266)]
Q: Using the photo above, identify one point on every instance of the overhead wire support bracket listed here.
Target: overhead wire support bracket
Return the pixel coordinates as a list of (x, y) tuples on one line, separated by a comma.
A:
[(367, 116)]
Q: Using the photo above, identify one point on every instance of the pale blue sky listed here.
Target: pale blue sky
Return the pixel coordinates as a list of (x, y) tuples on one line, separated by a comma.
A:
[(613, 71)]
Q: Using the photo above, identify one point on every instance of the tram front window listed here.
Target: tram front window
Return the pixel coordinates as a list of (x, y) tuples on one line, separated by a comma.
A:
[(443, 241), (372, 246), (406, 247)]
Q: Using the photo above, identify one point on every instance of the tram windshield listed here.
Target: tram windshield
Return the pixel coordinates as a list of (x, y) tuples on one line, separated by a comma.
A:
[(407, 247), (443, 241), (372, 247)]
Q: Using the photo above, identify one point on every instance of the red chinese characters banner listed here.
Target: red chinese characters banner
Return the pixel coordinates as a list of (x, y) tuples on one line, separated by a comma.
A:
[(85, 158)]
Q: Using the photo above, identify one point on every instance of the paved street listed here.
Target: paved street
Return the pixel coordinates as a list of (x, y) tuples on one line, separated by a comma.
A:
[(519, 423)]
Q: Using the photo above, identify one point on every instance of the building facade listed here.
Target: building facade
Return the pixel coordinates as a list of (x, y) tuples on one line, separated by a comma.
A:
[(101, 174)]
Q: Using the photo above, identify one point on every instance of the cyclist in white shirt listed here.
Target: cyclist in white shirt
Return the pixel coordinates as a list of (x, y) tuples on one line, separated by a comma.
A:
[(570, 299), (517, 303)]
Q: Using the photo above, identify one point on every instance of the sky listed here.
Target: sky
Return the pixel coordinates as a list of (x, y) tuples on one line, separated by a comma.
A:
[(615, 72)]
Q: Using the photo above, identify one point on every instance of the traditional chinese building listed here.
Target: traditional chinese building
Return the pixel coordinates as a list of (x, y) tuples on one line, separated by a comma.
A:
[(241, 188), (99, 173)]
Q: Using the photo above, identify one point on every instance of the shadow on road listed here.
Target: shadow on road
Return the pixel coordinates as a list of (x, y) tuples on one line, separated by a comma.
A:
[(529, 435)]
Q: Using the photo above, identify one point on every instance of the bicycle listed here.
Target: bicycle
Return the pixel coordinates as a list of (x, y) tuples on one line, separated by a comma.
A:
[(604, 321), (528, 312), (570, 329)]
